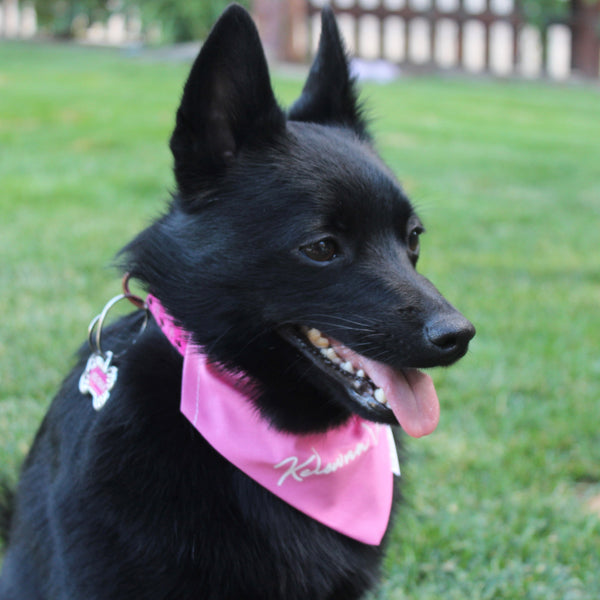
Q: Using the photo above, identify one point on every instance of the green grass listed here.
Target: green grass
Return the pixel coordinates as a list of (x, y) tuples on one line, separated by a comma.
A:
[(506, 176)]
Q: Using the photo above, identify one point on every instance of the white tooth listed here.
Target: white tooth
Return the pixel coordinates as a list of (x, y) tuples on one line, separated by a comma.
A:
[(380, 396), (331, 355), (316, 339), (360, 373), (347, 366), (356, 385), (313, 334)]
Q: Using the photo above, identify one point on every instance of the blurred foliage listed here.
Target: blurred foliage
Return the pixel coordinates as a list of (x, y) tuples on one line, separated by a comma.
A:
[(59, 16), (179, 20), (182, 20), (543, 12)]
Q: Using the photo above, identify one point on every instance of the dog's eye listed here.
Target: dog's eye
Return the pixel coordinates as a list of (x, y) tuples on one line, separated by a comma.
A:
[(414, 239), (322, 251)]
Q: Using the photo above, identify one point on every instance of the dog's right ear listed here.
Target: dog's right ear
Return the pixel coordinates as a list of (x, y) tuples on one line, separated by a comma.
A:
[(227, 103)]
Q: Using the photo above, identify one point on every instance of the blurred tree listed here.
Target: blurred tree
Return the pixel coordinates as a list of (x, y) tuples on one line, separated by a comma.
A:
[(547, 10), (179, 20), (182, 20), (542, 12), (59, 15)]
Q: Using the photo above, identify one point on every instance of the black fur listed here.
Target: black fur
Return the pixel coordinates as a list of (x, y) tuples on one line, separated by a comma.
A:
[(131, 502), (6, 508)]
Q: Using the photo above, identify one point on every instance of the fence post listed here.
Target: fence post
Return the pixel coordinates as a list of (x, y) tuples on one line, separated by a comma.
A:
[(585, 38), (282, 27), (10, 18)]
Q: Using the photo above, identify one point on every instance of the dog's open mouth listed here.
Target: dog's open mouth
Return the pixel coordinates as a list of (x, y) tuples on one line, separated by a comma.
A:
[(381, 392)]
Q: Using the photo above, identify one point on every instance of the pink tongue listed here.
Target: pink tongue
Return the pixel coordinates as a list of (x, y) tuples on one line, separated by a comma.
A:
[(410, 393)]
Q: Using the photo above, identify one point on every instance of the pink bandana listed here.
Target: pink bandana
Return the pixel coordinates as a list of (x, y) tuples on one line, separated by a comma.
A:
[(342, 478)]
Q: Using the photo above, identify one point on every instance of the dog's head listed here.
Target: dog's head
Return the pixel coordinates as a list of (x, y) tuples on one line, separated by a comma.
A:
[(289, 250)]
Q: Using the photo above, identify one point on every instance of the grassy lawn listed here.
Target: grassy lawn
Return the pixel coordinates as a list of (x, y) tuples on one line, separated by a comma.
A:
[(506, 176)]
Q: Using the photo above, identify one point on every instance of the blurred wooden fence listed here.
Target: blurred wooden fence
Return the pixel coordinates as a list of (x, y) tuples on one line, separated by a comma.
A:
[(17, 20), (478, 36)]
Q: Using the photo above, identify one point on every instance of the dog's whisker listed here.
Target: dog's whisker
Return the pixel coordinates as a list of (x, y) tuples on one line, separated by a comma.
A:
[(332, 318)]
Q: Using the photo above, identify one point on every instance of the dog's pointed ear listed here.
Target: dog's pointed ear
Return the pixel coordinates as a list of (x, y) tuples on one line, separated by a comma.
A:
[(227, 102), (329, 95)]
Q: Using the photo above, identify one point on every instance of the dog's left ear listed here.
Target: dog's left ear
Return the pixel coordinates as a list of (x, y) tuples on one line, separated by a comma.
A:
[(329, 95), (227, 103)]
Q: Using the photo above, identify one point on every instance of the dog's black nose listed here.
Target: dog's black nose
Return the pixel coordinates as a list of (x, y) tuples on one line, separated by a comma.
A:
[(450, 335)]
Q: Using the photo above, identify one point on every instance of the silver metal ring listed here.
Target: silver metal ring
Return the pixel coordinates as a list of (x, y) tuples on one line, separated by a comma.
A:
[(97, 322)]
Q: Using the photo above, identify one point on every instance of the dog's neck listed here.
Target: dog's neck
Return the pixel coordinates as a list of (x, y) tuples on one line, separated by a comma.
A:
[(342, 478)]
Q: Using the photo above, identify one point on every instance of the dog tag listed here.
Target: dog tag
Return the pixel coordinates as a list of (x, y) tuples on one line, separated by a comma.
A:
[(98, 378)]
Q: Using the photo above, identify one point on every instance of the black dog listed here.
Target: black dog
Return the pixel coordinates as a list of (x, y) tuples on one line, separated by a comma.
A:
[(288, 257)]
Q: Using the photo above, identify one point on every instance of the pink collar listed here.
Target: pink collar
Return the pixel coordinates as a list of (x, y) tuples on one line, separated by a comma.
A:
[(342, 478)]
